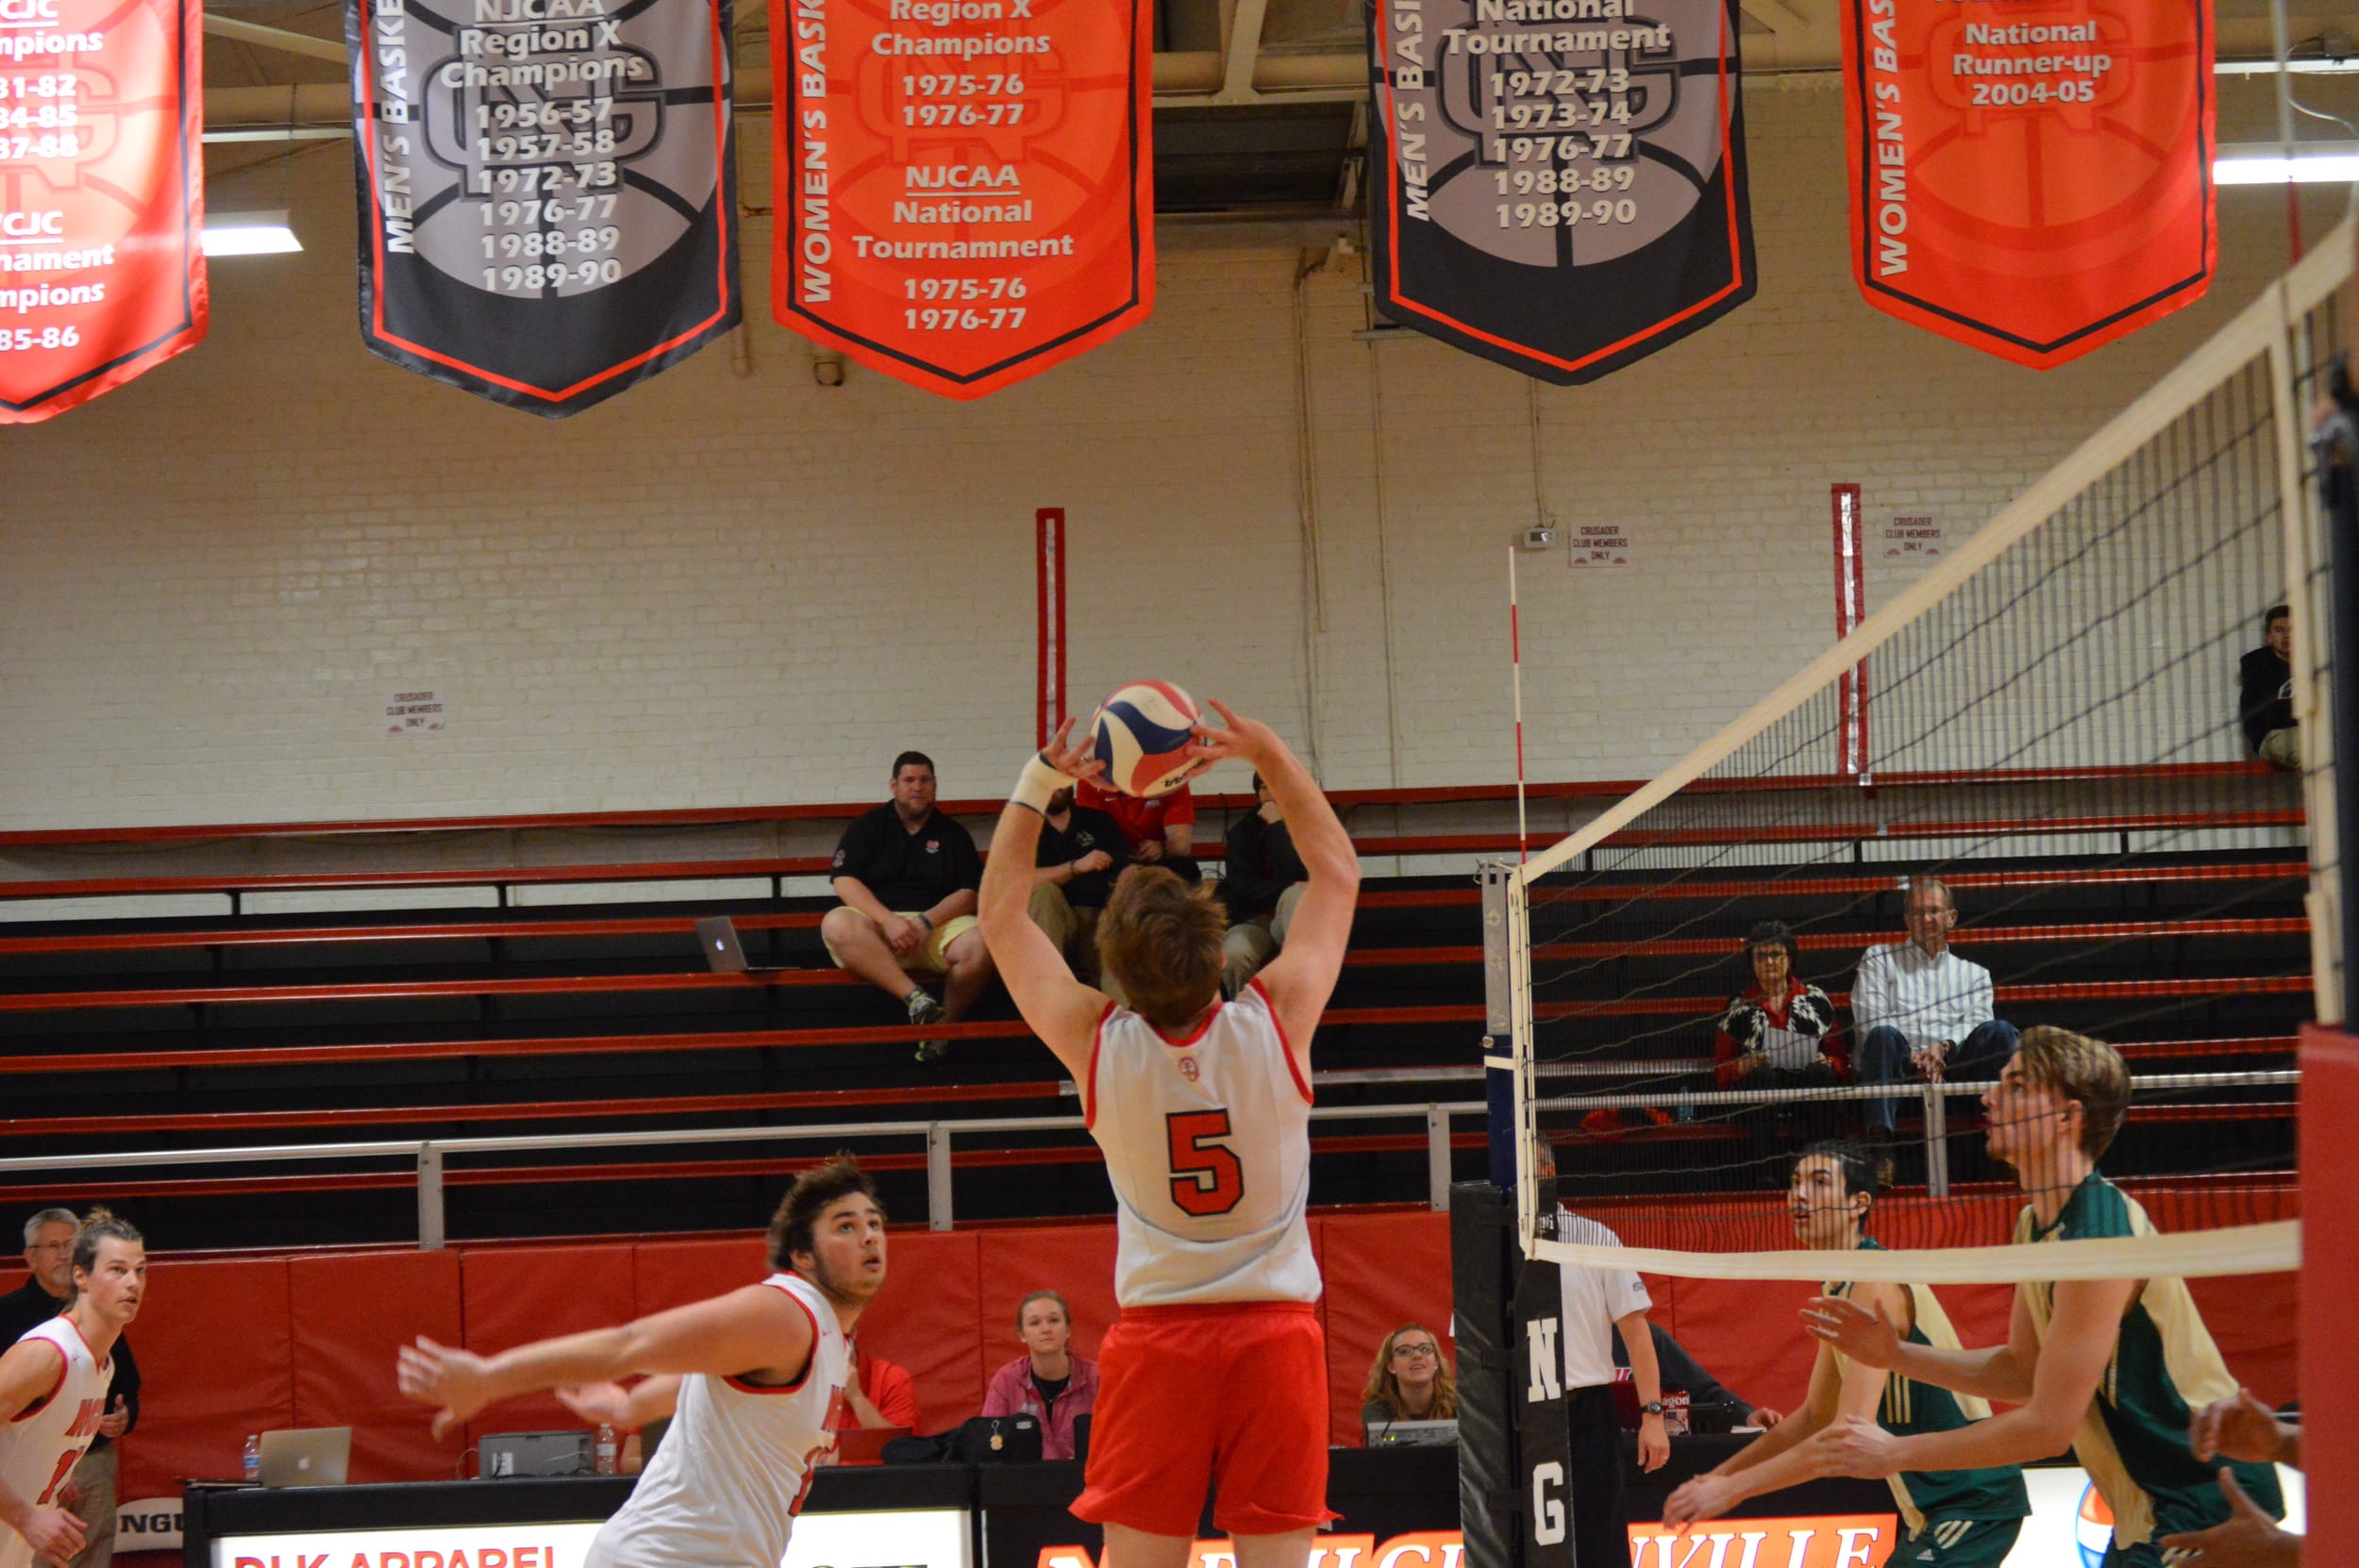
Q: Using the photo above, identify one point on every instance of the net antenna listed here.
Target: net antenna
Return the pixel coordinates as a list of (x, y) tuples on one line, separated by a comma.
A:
[(2063, 750)]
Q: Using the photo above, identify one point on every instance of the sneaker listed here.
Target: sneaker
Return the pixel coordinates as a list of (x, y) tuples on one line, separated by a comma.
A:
[(923, 1010)]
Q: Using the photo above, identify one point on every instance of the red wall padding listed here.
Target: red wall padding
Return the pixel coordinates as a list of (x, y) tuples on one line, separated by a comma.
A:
[(239, 1346)]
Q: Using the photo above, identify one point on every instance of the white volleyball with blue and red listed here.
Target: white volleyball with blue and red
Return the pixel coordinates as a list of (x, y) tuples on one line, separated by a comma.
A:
[(1141, 733)]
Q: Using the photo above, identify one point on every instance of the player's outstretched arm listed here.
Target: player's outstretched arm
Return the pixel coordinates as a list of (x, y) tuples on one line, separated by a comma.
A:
[(650, 1399), (29, 1372), (756, 1331), (1060, 1009), (1766, 1463), (1302, 976), (1868, 1338)]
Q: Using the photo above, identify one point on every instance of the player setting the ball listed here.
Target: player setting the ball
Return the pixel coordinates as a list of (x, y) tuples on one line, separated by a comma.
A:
[(1217, 1373)]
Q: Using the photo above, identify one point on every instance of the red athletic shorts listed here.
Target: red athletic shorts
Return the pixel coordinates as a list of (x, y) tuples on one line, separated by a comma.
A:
[(1230, 1395)]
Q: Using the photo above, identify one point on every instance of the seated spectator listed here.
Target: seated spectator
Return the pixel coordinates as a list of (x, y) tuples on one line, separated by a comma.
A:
[(1160, 832), (1409, 1381), (1684, 1371), (1923, 1012), (1778, 1032), (1076, 876), (1265, 881), (2265, 702), (881, 1393), (1049, 1381), (908, 877)]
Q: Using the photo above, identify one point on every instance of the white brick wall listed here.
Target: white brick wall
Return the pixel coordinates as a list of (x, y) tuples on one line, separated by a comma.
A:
[(734, 586)]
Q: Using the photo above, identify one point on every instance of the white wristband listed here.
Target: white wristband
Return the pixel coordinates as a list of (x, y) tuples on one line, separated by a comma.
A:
[(1036, 783)]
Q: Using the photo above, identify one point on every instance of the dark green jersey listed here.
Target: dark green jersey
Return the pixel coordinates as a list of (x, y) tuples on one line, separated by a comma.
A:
[(2133, 1440), (1995, 1492)]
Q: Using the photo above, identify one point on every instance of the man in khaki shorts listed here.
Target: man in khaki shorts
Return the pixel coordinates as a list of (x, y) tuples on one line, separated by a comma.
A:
[(906, 876)]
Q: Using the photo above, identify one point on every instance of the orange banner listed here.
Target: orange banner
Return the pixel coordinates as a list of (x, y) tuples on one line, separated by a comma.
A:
[(1830, 1541), (2036, 183), (965, 187), (102, 198)]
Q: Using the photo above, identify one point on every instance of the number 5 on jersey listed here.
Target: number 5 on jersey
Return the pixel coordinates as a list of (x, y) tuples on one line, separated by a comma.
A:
[(1207, 1178)]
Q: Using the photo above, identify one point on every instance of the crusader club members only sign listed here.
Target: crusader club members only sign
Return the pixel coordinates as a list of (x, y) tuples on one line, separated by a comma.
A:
[(1558, 184), (548, 190), (965, 191), (102, 209), (2032, 179)]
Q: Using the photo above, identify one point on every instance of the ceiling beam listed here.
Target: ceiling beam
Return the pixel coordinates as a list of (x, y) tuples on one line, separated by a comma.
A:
[(1776, 15), (277, 38), (1242, 52)]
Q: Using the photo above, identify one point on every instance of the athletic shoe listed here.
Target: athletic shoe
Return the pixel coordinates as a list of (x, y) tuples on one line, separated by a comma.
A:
[(924, 1009)]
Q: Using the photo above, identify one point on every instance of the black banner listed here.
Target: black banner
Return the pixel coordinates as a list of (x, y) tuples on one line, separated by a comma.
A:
[(1558, 184), (548, 190)]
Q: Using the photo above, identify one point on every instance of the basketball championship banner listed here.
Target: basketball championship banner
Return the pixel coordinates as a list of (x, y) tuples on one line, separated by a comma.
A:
[(2037, 183), (1558, 184), (102, 197), (965, 187), (548, 190)]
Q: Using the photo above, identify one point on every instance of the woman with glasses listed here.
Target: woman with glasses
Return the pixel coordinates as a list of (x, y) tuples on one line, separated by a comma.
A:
[(1409, 1381)]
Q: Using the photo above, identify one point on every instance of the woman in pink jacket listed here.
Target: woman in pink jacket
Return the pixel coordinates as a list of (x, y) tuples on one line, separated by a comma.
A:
[(1047, 1381)]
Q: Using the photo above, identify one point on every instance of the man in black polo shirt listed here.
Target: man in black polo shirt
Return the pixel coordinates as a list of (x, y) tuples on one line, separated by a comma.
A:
[(906, 876), (49, 1253), (1078, 848)]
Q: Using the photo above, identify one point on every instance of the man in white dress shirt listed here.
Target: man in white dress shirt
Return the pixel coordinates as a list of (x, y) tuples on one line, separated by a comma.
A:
[(1924, 1013)]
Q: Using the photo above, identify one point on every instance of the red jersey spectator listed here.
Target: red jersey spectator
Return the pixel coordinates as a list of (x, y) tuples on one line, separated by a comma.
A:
[(882, 1395), (1047, 1381), (1161, 832)]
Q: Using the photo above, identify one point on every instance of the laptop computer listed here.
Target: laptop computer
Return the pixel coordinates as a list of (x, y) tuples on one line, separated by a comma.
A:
[(1415, 1434), (725, 953), (307, 1456)]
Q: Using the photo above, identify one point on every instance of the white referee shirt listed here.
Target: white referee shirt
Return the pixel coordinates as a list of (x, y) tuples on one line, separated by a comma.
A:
[(1593, 1298), (1930, 1000)]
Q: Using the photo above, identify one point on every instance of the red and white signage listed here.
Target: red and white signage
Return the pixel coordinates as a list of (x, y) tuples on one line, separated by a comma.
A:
[(965, 187), (2033, 182), (102, 197)]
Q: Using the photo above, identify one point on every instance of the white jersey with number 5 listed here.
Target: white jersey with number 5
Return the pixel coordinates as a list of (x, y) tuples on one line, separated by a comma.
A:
[(728, 1477), (1208, 1144), (38, 1451)]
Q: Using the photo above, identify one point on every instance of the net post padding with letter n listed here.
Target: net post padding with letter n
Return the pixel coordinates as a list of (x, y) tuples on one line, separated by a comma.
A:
[(2082, 809)]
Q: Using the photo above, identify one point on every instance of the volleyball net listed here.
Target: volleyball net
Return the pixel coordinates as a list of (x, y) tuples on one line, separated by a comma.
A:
[(2036, 789)]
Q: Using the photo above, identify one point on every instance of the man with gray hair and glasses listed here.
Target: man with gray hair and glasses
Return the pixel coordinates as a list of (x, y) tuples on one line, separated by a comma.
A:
[(49, 1253)]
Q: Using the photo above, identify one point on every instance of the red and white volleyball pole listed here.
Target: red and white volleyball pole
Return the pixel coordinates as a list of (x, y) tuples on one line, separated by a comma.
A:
[(1049, 540), (1515, 666), (1851, 604)]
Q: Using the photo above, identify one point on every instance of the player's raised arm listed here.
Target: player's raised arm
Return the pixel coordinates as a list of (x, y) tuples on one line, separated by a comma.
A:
[(754, 1331), (1301, 979), (2001, 1372), (1060, 1009)]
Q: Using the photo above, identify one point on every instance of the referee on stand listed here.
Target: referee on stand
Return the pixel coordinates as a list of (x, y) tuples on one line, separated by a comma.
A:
[(1599, 1303)]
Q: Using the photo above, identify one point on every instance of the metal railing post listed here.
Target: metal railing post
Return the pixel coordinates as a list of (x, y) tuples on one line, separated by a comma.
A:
[(937, 1177), (1437, 1158), (1936, 1141), (430, 1234)]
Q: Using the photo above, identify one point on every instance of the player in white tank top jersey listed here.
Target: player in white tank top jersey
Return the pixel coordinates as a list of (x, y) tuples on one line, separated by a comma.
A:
[(1215, 1376), (1206, 1143), (750, 1379), (53, 1391)]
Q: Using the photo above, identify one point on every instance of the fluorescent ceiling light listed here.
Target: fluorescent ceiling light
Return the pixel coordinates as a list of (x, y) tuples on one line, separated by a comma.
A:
[(2259, 163), (249, 234), (2348, 66)]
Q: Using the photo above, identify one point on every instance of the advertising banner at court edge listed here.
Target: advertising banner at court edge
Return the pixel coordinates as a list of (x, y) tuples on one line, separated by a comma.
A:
[(965, 189), (548, 190), (2033, 182), (1558, 184), (102, 197)]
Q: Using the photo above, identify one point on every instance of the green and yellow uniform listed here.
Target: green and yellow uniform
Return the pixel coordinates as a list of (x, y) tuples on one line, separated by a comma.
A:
[(2134, 1439), (1955, 1518)]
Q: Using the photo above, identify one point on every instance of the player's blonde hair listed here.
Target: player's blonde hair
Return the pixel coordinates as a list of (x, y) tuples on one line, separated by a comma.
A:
[(1382, 1385), (1158, 942), (2086, 1071)]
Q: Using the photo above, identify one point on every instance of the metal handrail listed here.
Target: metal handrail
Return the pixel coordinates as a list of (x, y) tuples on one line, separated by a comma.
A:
[(430, 1153)]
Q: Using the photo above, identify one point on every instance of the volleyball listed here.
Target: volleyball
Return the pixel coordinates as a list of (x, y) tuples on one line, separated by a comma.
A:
[(1141, 733)]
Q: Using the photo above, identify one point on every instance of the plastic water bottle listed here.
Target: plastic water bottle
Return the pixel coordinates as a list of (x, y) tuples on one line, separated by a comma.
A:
[(254, 1459), (608, 1449)]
